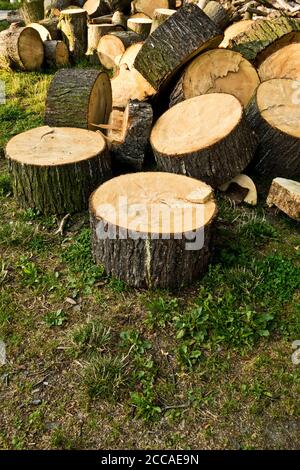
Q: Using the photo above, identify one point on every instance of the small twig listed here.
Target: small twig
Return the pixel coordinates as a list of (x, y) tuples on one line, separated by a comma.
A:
[(60, 230), (175, 407)]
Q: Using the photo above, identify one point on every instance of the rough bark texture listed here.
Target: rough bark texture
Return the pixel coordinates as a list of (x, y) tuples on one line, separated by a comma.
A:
[(177, 40), (285, 194), (56, 54), (68, 98), (146, 263), (218, 163), (216, 12), (277, 153), (73, 26), (51, 24), (132, 150), (261, 34), (32, 11), (10, 51), (58, 189)]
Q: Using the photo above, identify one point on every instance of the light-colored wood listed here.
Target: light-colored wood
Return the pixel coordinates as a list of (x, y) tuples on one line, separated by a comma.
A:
[(112, 46), (56, 54), (234, 30), (43, 32), (73, 25), (159, 16), (148, 8), (285, 194), (129, 85), (245, 182), (141, 26), (130, 54), (284, 63), (95, 33)]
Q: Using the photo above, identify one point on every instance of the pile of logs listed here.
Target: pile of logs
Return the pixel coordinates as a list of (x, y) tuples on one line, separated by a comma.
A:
[(205, 90)]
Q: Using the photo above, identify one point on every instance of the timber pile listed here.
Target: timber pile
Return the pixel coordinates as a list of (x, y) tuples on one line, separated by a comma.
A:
[(209, 91)]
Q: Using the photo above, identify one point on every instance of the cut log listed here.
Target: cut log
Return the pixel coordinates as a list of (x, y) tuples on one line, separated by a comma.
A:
[(216, 12), (285, 63), (148, 8), (206, 137), (129, 85), (32, 11), (217, 71), (107, 19), (261, 34), (95, 33), (153, 230), (244, 182), (56, 54), (96, 8), (21, 48), (54, 170), (285, 194), (112, 46), (51, 24), (55, 5), (78, 98), (234, 30), (43, 32), (287, 39), (140, 26), (129, 133), (182, 36), (73, 25), (160, 15), (119, 19), (274, 114), (130, 54)]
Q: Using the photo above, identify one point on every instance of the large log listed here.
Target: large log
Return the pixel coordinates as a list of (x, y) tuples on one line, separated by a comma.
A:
[(43, 32), (160, 15), (274, 114), (182, 36), (56, 54), (261, 34), (50, 5), (32, 11), (234, 30), (130, 54), (78, 98), (285, 194), (129, 132), (153, 229), (54, 170), (73, 25), (217, 71), (284, 63), (206, 137), (148, 8), (21, 48), (112, 46)]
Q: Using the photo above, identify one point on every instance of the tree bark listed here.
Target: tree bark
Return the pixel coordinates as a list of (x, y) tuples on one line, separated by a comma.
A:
[(51, 24), (73, 25), (285, 194), (62, 183), (185, 34), (21, 48), (160, 15), (32, 11), (147, 259), (78, 98), (56, 54), (217, 13)]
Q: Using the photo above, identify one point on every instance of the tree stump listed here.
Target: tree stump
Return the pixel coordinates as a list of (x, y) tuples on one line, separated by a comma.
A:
[(140, 26), (32, 11), (160, 15), (129, 85), (153, 230), (182, 36), (217, 71), (206, 137), (285, 63), (54, 170), (56, 54), (234, 30), (274, 114), (148, 8), (73, 25), (216, 12), (285, 194), (95, 33), (112, 46), (78, 98), (129, 132), (21, 48)]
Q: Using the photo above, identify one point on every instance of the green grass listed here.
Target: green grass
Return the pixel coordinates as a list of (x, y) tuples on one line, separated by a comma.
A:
[(4, 5), (208, 366)]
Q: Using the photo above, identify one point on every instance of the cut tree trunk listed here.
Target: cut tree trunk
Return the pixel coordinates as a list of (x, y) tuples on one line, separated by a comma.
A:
[(95, 33), (287, 39), (217, 71), (129, 85), (234, 30), (96, 8), (56, 54), (140, 26), (73, 25), (32, 11), (148, 8), (43, 32), (274, 114), (51, 24), (261, 34), (21, 48), (160, 15), (285, 63), (285, 194), (112, 46), (54, 170), (182, 36), (129, 133), (216, 12), (153, 230), (206, 137), (78, 98)]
